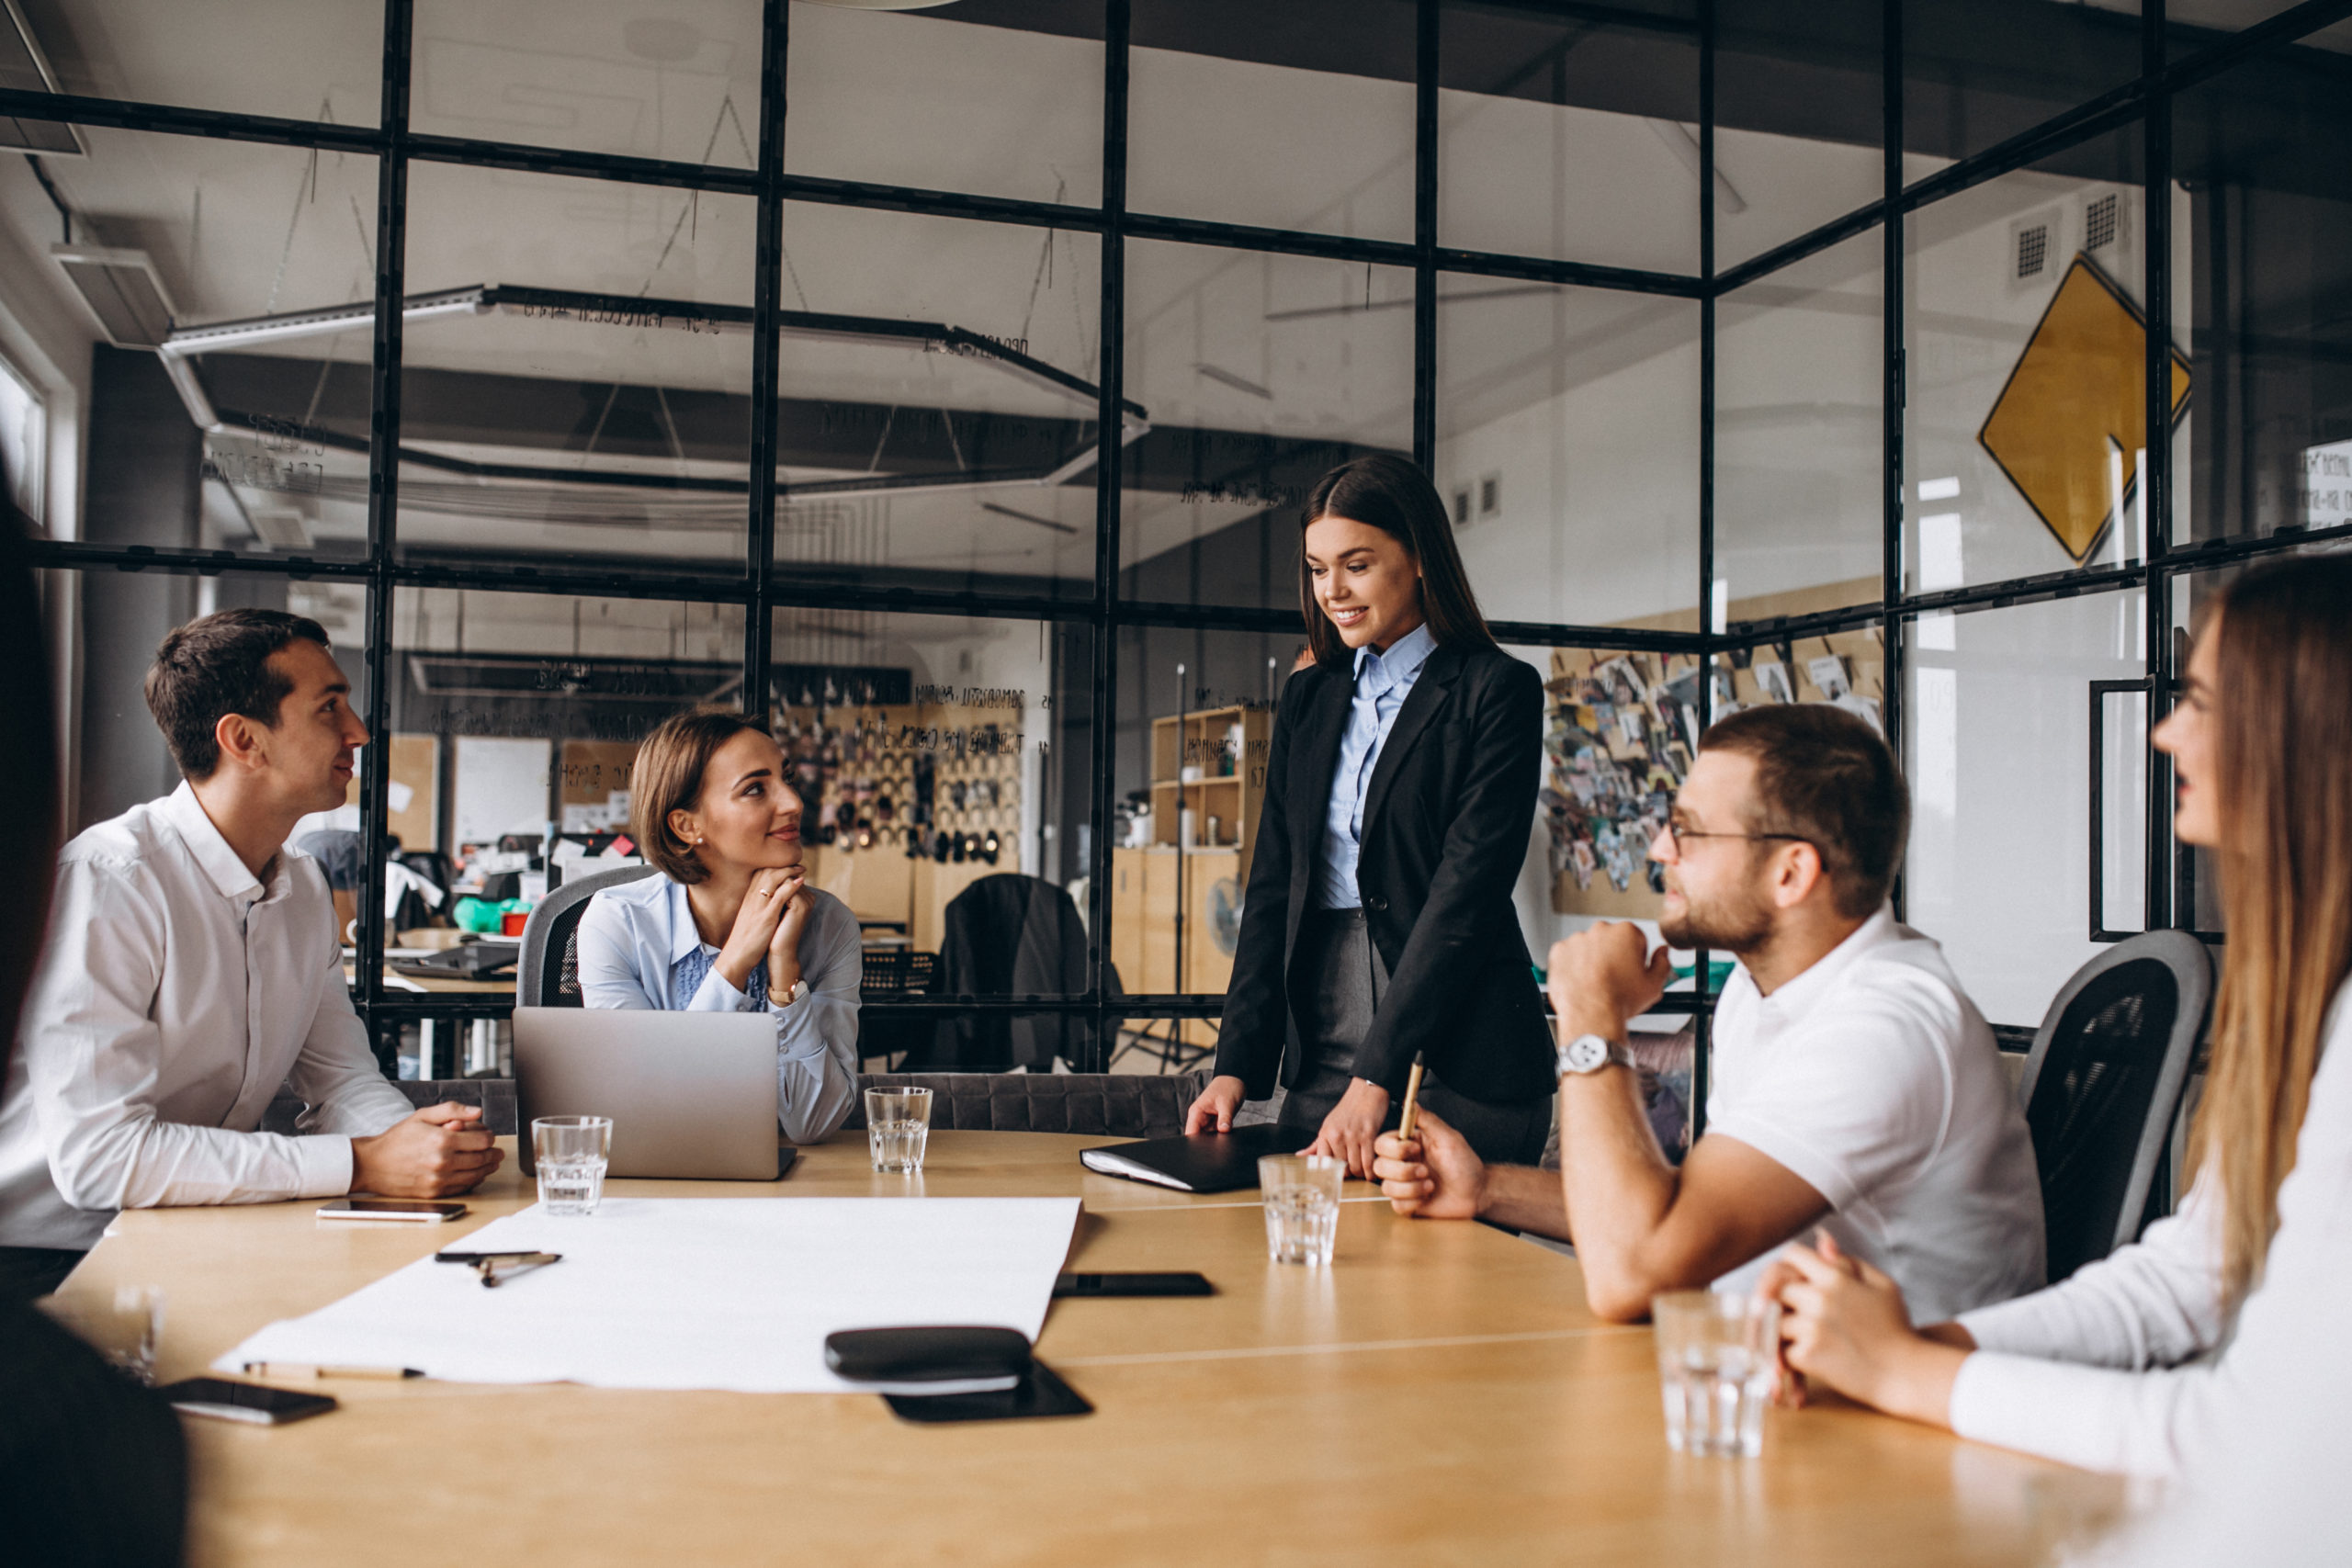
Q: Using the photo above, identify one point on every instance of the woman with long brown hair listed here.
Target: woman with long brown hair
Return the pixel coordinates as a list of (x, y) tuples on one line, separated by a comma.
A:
[(2096, 1371), (1400, 788)]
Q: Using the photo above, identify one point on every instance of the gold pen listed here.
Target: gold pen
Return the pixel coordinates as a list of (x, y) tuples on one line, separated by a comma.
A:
[(299, 1371), (1412, 1098)]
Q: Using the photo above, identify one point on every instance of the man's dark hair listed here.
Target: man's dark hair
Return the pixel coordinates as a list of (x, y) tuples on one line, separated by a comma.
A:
[(215, 666), (1826, 776)]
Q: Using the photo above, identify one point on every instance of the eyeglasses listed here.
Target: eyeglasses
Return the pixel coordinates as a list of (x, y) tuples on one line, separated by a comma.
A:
[(1681, 836)]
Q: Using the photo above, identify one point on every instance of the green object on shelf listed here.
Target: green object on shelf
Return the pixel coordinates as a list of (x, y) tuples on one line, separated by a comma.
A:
[(484, 917)]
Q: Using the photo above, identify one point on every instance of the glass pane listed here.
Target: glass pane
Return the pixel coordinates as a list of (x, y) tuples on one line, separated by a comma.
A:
[(1799, 359), (1799, 126), (680, 83), (936, 428), (299, 60), (993, 96), (2195, 24), (1982, 72), (1260, 374), (117, 756), (1213, 92), (2269, 442), (1571, 139), (214, 422), (1567, 434), (2025, 430), (535, 702), (932, 752), (1997, 713), (575, 387)]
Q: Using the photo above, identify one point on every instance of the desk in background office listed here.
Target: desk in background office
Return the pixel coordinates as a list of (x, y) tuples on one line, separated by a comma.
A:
[(1439, 1394)]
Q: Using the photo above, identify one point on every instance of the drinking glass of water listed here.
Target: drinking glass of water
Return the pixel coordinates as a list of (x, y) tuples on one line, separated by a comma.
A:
[(1715, 1367), (121, 1324), (570, 1154), (1302, 1205), (898, 1126)]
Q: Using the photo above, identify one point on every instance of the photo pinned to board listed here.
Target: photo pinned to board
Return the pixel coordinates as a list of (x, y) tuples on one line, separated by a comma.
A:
[(1620, 730)]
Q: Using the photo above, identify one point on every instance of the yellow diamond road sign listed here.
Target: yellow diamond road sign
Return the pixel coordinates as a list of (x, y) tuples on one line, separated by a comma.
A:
[(2068, 427)]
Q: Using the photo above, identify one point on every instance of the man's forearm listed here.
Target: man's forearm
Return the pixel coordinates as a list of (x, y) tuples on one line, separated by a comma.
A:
[(1615, 1186), (1525, 1199)]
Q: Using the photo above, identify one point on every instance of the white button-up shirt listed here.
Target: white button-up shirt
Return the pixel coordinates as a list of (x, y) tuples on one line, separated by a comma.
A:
[(177, 993)]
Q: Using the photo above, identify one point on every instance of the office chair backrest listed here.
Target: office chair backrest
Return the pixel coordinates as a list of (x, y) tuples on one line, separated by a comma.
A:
[(1009, 935), (1115, 1105), (2103, 1085), (548, 974)]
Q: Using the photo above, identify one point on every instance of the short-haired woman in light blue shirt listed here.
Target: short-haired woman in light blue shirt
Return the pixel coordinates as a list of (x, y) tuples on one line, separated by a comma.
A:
[(731, 924)]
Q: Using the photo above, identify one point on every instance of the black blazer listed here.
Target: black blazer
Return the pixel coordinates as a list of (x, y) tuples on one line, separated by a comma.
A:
[(1445, 825)]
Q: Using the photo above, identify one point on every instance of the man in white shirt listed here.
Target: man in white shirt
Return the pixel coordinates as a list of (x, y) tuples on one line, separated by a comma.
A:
[(1856, 1087), (194, 964)]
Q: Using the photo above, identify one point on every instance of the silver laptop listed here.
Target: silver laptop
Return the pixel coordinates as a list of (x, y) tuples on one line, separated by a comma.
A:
[(691, 1094)]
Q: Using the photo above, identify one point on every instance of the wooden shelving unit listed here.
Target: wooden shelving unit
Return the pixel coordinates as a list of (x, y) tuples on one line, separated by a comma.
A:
[(1150, 887)]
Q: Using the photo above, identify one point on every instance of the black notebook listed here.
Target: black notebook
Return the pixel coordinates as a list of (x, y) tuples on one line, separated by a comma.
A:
[(1205, 1162)]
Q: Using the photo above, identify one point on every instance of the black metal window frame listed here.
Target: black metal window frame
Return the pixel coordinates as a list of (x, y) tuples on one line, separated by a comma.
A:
[(2145, 100)]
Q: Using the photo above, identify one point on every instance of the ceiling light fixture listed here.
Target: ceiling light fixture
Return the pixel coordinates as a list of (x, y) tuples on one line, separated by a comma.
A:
[(25, 68), (122, 291)]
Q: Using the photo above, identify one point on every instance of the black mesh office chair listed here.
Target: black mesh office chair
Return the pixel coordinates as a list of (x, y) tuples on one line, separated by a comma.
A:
[(2103, 1085), (548, 974)]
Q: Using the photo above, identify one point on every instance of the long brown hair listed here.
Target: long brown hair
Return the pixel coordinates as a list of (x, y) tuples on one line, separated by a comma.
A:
[(2283, 751), (1397, 498)]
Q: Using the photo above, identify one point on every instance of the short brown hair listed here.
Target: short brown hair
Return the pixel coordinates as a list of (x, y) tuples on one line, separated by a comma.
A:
[(1826, 776), (217, 665), (668, 777)]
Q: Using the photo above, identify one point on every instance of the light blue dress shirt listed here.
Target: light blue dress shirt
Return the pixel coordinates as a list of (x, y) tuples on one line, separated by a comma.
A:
[(639, 948), (1383, 681)]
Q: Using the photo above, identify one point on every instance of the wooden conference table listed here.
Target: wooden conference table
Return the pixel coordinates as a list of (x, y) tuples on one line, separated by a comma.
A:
[(1439, 1395)]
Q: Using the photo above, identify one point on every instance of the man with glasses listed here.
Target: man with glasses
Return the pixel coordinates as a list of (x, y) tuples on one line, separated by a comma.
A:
[(1856, 1088)]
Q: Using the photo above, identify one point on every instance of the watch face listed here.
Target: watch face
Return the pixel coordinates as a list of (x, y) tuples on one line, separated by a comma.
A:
[(1587, 1054)]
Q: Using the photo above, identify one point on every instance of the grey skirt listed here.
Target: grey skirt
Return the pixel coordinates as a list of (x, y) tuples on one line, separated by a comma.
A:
[(1340, 982)]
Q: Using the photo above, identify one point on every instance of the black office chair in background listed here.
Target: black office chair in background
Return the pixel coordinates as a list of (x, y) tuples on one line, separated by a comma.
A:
[(548, 974), (1008, 935), (2103, 1085)]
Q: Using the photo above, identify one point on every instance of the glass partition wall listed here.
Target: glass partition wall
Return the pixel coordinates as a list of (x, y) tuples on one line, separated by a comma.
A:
[(958, 422)]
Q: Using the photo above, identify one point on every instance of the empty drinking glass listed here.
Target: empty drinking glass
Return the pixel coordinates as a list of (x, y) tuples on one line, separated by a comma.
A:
[(1302, 1205), (122, 1324), (570, 1154), (897, 1127), (1715, 1367)]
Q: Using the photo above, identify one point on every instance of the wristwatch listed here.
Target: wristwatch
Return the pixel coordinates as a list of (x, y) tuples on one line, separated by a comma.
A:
[(800, 989), (1588, 1054)]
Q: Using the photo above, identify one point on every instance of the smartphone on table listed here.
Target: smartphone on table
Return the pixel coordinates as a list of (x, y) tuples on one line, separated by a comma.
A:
[(413, 1211), (217, 1399), (1131, 1285)]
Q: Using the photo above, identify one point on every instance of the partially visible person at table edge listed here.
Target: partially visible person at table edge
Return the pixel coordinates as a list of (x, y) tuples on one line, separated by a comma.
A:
[(730, 924), (1856, 1084), (93, 1468), (1378, 922), (2161, 1357), (194, 965)]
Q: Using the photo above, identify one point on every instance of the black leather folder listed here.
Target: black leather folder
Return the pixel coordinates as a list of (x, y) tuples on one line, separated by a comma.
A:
[(1205, 1162)]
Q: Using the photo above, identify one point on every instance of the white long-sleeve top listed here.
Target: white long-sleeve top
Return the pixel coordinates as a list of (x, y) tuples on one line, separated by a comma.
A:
[(177, 993), (632, 937), (2133, 1364)]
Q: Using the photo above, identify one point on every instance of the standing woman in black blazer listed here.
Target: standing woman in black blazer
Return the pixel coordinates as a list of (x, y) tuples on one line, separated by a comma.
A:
[(1400, 789)]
